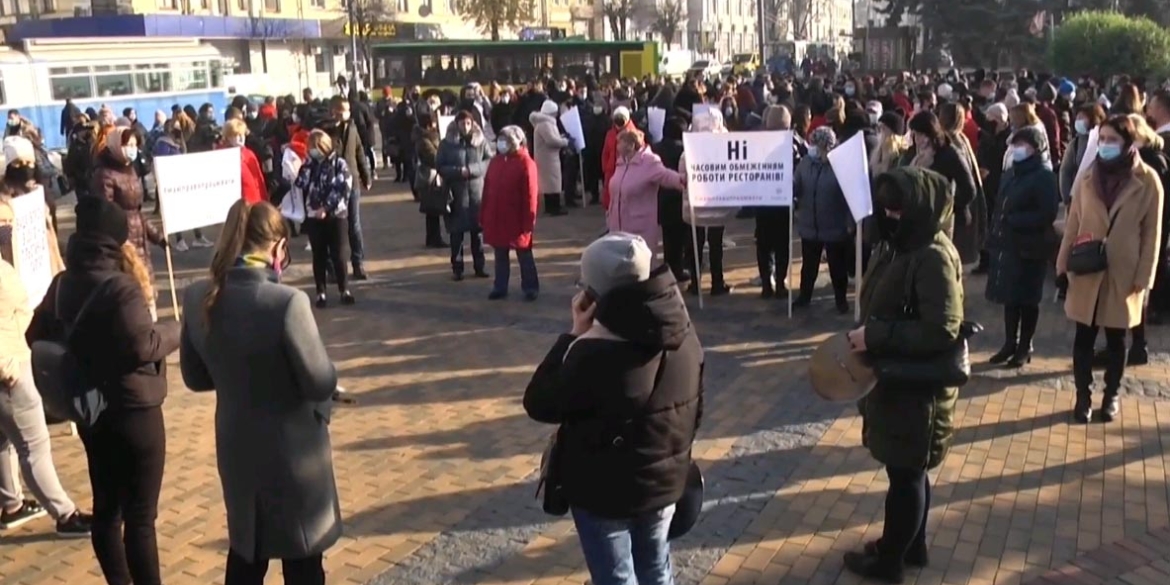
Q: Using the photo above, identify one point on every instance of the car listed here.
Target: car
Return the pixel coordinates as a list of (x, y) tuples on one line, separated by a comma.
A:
[(706, 68)]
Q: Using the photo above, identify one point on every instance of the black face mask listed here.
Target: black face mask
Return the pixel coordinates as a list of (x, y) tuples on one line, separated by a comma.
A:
[(20, 174)]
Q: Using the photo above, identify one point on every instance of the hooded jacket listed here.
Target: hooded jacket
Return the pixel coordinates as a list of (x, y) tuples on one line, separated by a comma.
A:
[(912, 427), (547, 143), (628, 396)]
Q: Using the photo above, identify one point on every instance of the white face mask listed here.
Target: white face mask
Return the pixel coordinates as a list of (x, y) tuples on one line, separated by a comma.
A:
[(130, 152), (873, 118), (345, 116), (505, 98), (316, 154), (502, 146)]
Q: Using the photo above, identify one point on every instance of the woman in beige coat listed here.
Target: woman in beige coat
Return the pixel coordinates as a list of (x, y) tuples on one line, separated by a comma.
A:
[(547, 143), (1119, 200)]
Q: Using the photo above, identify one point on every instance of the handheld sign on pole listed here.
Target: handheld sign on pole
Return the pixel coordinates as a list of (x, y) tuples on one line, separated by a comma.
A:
[(195, 190), (656, 122), (851, 166), (571, 120)]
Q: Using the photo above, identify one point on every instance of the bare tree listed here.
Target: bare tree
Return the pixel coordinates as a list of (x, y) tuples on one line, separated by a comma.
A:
[(372, 19), (491, 16), (669, 18), (619, 13), (801, 13)]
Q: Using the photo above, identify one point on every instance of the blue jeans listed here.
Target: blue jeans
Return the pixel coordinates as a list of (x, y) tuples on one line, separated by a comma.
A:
[(357, 247), (631, 551), (477, 259), (529, 283)]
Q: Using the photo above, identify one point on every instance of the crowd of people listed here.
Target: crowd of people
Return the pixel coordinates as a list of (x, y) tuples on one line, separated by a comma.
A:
[(969, 174)]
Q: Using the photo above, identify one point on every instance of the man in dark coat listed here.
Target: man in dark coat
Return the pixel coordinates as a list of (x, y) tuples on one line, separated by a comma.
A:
[(675, 233), (347, 141), (69, 114)]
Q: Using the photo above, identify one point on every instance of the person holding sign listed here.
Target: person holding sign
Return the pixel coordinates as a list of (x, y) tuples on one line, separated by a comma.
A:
[(823, 221), (773, 226), (114, 180), (633, 205), (708, 222), (19, 181)]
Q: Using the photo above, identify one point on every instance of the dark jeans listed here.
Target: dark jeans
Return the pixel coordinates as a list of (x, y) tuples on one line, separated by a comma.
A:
[(714, 237), (328, 237), (434, 228), (1083, 341), (676, 242), (306, 571), (477, 259), (126, 452), (772, 246), (357, 245), (907, 505), (529, 282), (837, 254)]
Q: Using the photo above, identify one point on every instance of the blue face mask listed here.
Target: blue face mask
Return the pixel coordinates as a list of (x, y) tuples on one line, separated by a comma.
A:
[(1082, 127), (1020, 153), (812, 151), (1108, 151)]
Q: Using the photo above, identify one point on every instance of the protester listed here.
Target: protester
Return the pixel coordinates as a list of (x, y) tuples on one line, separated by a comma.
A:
[(1089, 117), (428, 185), (621, 122), (325, 181), (1022, 245), (1119, 198), (462, 161), (934, 150), (546, 149), (676, 235), (628, 375), (773, 224), (508, 212), (707, 223), (252, 184), (255, 342), (633, 189), (119, 343), (347, 140), (171, 143), (908, 429), (24, 436), (822, 220)]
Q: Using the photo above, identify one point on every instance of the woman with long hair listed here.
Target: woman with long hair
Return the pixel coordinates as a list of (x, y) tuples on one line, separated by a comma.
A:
[(123, 351), (325, 181), (934, 150), (255, 343)]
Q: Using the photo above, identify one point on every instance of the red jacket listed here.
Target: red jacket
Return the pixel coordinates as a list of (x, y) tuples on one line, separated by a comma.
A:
[(1051, 123), (609, 159), (971, 131), (510, 199), (903, 103), (816, 122), (253, 188)]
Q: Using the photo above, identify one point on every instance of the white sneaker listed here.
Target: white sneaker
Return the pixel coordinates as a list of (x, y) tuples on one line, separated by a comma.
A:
[(202, 242), (180, 246)]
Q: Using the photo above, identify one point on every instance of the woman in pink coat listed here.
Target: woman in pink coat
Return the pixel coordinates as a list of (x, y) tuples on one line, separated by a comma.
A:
[(633, 189)]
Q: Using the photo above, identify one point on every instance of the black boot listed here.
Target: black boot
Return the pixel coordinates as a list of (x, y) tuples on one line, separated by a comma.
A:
[(873, 567), (552, 204), (917, 556), (1110, 406), (1011, 335), (1083, 409), (1029, 317), (981, 268)]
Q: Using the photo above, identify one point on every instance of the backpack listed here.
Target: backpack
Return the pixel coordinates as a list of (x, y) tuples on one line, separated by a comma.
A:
[(65, 389)]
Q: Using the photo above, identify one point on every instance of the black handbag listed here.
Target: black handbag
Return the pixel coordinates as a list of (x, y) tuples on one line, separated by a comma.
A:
[(949, 367), (1089, 257)]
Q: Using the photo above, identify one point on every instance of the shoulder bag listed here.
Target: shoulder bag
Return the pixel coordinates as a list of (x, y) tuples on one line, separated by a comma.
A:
[(949, 367), (1089, 257)]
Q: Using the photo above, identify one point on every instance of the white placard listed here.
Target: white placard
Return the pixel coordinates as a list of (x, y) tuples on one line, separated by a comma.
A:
[(445, 124), (571, 120), (197, 190), (739, 169), (30, 244), (851, 165), (656, 120)]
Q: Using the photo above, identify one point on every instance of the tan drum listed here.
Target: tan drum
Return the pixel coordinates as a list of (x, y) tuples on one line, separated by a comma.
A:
[(837, 373)]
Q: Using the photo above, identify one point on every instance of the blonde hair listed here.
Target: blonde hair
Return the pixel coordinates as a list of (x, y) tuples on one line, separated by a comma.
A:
[(1143, 133), (1026, 114), (633, 137), (233, 128), (321, 140), (249, 227), (886, 155), (131, 263)]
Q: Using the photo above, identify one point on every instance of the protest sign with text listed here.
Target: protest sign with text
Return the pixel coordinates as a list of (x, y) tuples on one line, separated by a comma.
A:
[(31, 255), (738, 169), (197, 190)]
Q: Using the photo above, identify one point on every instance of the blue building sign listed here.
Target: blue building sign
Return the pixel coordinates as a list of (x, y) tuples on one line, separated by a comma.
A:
[(166, 25)]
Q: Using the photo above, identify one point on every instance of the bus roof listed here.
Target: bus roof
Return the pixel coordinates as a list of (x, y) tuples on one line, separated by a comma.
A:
[(558, 46)]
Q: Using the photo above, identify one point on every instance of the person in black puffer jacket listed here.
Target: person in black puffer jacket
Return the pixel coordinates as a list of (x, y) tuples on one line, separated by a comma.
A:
[(121, 349), (625, 386)]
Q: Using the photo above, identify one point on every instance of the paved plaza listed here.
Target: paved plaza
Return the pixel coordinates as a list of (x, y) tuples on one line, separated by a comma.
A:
[(436, 461)]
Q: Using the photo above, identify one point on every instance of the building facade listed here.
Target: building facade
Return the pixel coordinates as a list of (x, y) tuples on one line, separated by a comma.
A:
[(722, 28)]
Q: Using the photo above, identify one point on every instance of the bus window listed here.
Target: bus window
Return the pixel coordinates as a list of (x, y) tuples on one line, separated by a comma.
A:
[(190, 79), (114, 84), (70, 83)]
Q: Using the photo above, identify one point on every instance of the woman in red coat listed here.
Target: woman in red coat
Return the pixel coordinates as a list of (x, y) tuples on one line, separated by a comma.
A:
[(508, 211), (621, 122), (253, 188)]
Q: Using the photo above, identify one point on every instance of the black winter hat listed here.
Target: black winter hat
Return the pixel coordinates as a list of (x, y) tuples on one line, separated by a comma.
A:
[(96, 215), (894, 121)]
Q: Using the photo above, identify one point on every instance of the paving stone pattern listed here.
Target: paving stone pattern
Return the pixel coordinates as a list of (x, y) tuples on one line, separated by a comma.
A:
[(436, 462)]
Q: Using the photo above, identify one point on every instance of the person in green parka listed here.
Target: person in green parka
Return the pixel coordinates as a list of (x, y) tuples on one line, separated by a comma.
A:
[(911, 305)]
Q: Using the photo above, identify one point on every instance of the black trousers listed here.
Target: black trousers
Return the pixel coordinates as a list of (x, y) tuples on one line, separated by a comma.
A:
[(772, 242), (306, 571), (126, 452), (570, 177), (907, 505), (1083, 341), (676, 242), (712, 236), (1019, 324), (329, 238), (1139, 331), (434, 235), (837, 254)]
